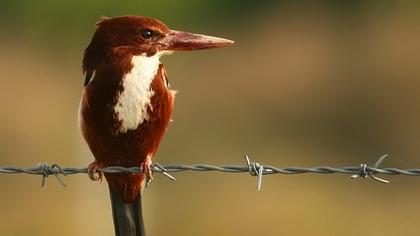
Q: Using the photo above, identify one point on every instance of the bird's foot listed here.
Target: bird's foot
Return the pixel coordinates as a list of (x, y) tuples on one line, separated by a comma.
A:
[(146, 167), (94, 173)]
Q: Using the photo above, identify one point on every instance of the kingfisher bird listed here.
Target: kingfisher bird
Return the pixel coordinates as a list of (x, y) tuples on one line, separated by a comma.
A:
[(127, 104)]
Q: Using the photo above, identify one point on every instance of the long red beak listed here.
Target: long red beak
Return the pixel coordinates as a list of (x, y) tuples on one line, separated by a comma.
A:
[(184, 41)]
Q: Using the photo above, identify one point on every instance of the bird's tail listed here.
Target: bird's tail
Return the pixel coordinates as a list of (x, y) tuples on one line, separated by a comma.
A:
[(128, 217)]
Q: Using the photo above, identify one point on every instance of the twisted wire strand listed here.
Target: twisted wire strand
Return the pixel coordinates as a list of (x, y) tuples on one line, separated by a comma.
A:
[(253, 168)]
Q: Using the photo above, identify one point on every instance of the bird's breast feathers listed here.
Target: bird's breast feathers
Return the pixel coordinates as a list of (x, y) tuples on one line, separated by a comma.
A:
[(134, 102)]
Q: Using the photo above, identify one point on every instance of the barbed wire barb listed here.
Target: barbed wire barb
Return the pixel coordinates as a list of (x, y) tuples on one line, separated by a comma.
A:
[(369, 172), (51, 170), (255, 169), (158, 166)]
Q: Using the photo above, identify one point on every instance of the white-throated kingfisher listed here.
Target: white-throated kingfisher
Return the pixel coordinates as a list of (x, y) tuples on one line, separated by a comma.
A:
[(127, 104)]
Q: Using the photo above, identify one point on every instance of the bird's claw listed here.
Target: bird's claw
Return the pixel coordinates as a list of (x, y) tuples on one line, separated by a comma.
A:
[(94, 173), (146, 167)]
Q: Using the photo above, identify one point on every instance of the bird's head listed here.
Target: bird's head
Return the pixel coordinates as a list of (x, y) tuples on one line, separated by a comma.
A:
[(135, 35)]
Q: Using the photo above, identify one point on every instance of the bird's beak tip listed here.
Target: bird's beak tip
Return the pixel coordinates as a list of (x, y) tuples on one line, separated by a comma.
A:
[(229, 42)]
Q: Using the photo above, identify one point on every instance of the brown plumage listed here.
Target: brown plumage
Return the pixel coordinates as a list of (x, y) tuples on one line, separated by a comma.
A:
[(127, 105), (124, 149)]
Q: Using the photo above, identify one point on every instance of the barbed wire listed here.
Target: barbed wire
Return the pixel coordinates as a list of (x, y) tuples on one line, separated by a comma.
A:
[(253, 168)]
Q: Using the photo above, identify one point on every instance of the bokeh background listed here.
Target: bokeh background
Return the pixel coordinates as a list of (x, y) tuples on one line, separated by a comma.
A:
[(306, 84)]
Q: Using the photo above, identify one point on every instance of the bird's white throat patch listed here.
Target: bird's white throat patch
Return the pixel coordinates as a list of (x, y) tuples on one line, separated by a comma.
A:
[(134, 100)]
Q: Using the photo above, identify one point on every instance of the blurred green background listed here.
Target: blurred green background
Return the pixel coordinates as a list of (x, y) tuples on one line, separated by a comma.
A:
[(307, 83)]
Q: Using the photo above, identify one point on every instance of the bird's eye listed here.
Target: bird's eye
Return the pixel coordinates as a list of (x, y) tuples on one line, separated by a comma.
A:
[(147, 33)]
